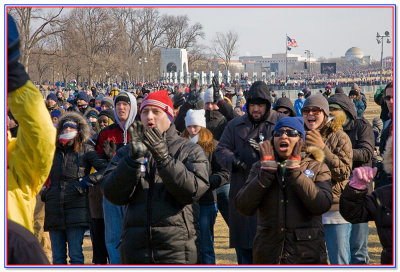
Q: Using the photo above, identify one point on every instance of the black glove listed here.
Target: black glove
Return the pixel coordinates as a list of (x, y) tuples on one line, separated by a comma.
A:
[(136, 134), (156, 145), (85, 183), (17, 77), (216, 94), (109, 148), (193, 94), (82, 185), (254, 145), (238, 164)]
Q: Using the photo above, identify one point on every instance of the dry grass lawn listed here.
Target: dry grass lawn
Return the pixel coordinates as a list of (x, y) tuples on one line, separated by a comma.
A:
[(226, 255)]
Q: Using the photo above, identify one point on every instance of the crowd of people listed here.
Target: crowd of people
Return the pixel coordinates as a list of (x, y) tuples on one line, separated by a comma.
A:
[(147, 171)]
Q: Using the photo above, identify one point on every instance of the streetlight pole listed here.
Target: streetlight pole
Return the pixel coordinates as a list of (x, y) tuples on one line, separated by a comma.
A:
[(141, 61), (379, 40)]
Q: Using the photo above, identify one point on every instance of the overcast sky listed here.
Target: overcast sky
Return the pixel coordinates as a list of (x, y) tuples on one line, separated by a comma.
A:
[(326, 32)]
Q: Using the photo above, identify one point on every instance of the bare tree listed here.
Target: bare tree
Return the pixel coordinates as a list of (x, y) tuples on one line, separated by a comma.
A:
[(179, 34), (90, 33), (225, 46), (34, 25)]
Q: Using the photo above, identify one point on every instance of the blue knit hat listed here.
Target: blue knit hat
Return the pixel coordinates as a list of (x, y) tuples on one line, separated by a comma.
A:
[(52, 96), (55, 113), (296, 123), (82, 96)]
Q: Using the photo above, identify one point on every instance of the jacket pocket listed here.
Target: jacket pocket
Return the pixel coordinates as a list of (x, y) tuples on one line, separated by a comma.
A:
[(309, 246)]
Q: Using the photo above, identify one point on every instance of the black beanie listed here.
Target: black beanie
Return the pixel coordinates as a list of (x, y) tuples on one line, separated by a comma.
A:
[(109, 113), (122, 96)]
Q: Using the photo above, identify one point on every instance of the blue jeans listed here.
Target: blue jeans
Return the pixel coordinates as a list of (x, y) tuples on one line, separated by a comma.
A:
[(337, 238), (59, 240), (359, 243), (244, 255), (223, 201), (113, 218), (208, 214)]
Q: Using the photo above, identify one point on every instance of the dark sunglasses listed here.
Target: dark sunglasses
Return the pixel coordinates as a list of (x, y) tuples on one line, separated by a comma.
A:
[(289, 133), (313, 110), (387, 98)]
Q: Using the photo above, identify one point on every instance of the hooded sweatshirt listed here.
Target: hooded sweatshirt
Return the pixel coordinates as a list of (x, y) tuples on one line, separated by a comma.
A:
[(285, 102), (131, 117)]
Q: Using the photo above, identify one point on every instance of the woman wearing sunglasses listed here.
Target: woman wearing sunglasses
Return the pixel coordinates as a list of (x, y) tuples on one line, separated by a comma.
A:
[(324, 130), (290, 189)]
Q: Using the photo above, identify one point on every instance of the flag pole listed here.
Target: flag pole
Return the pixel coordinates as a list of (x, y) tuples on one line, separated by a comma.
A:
[(286, 45)]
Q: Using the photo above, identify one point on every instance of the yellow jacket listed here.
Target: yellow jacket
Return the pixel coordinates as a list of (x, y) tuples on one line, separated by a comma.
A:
[(30, 155)]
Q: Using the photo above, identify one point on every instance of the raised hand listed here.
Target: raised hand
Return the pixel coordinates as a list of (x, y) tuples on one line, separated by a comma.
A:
[(216, 93), (193, 94), (268, 161), (313, 137), (109, 148), (156, 144), (362, 176), (293, 162), (138, 148)]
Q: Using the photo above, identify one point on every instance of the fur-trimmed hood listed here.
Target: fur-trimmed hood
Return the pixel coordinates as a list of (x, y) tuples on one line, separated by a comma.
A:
[(316, 152), (83, 126), (334, 125)]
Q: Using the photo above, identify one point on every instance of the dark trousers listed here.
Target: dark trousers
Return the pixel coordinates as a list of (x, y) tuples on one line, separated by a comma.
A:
[(100, 254)]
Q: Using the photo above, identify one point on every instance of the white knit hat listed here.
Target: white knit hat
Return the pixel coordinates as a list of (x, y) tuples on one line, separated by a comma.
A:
[(208, 95), (195, 118)]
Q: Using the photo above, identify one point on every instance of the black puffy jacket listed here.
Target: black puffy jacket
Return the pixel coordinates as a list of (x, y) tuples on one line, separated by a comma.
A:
[(159, 223), (358, 207), (66, 200)]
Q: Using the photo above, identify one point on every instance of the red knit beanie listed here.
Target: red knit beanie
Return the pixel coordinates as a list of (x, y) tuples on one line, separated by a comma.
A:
[(159, 99)]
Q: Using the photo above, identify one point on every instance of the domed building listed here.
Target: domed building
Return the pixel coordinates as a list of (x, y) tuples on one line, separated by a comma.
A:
[(356, 56), (354, 53)]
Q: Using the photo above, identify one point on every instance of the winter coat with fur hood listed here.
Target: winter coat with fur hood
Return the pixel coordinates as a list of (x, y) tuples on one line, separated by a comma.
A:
[(66, 201), (289, 226), (357, 206), (338, 156), (359, 131)]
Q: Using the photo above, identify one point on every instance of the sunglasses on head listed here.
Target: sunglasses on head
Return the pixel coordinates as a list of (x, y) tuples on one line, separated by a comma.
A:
[(315, 110), (289, 133)]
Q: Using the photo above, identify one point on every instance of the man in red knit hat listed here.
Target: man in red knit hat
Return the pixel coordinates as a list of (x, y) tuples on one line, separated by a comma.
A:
[(159, 176)]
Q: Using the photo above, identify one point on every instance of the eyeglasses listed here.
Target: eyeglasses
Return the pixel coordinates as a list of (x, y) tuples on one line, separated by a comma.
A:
[(311, 110), (387, 98), (289, 133)]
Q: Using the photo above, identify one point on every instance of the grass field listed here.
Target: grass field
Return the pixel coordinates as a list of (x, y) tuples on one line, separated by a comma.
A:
[(226, 255)]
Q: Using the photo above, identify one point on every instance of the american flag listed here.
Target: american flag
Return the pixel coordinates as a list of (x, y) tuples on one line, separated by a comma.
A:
[(291, 42)]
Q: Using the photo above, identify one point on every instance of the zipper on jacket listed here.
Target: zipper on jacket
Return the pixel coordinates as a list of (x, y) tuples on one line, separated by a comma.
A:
[(282, 166), (150, 214)]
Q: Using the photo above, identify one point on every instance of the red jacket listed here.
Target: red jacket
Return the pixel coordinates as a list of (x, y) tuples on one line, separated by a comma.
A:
[(112, 132)]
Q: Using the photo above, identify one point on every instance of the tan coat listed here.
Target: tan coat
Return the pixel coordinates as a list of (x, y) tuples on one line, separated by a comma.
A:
[(339, 158)]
